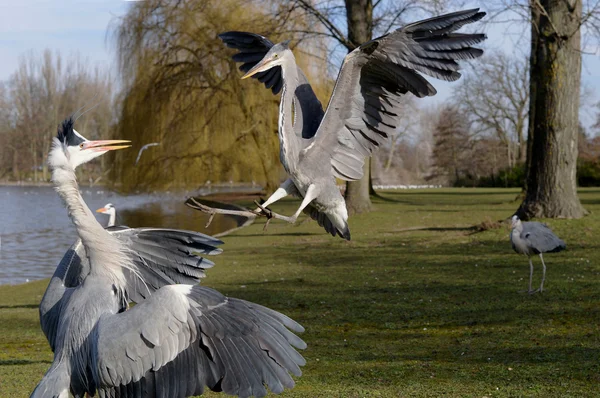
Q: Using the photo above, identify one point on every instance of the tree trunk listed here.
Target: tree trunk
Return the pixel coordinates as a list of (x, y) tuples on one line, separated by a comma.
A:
[(522, 146), (555, 78), (357, 193), (359, 14)]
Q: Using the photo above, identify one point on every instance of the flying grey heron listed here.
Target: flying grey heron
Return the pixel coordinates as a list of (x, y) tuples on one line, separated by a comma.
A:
[(178, 337), (142, 149), (534, 238), (110, 210), (364, 109)]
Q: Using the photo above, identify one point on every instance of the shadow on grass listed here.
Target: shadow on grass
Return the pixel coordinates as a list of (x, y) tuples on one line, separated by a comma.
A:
[(279, 234), (3, 307), (471, 228), (13, 362)]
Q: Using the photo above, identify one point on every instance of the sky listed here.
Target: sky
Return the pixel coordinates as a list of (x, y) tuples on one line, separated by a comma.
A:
[(72, 26)]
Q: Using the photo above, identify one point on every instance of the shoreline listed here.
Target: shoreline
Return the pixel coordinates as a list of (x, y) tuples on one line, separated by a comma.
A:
[(223, 200)]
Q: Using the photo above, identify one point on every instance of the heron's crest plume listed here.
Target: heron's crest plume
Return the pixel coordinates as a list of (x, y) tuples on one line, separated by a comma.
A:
[(67, 134)]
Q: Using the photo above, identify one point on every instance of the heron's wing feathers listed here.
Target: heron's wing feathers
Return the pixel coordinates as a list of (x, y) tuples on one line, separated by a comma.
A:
[(541, 238), (70, 272), (184, 337), (252, 48), (325, 222), (365, 106), (164, 257)]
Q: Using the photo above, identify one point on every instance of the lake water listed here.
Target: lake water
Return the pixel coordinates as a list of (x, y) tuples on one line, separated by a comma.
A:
[(35, 231)]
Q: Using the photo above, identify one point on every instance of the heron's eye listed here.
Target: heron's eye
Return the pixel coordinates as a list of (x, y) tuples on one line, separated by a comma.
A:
[(81, 145), (276, 55)]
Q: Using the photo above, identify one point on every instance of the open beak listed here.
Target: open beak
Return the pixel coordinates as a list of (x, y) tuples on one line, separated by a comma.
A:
[(101, 210), (259, 67), (105, 145)]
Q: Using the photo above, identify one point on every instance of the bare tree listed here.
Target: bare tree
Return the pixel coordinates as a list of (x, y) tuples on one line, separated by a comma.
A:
[(495, 98), (362, 19), (451, 144), (555, 80), (37, 97)]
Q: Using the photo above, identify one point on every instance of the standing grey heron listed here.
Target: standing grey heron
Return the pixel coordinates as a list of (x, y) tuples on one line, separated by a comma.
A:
[(111, 212), (178, 337), (364, 109), (534, 238)]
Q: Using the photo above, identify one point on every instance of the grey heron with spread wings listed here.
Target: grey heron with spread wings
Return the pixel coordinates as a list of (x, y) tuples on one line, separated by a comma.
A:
[(317, 146), (178, 338)]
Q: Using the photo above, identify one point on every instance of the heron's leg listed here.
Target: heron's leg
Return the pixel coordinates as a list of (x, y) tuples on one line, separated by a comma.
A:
[(287, 188), (543, 273), (311, 193)]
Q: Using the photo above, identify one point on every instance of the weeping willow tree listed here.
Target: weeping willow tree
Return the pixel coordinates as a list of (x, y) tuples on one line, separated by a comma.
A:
[(182, 90)]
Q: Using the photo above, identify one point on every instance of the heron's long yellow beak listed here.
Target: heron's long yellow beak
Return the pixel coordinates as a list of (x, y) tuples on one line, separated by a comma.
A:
[(101, 210), (105, 145), (259, 67)]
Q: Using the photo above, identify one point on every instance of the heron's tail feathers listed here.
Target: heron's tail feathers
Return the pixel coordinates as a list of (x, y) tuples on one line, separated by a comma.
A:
[(54, 384), (345, 232), (560, 246), (335, 223)]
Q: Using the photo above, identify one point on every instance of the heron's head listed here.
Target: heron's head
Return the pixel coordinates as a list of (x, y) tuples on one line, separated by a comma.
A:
[(107, 209), (515, 221), (71, 149), (273, 58)]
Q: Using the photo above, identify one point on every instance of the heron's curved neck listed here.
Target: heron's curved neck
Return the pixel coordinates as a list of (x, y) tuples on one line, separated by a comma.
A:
[(288, 147), (112, 217), (518, 227), (103, 250)]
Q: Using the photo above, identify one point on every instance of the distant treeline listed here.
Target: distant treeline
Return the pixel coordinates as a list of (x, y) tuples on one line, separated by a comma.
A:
[(180, 90), (588, 170)]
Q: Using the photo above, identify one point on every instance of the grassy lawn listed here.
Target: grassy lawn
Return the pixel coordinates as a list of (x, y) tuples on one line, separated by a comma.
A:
[(418, 304)]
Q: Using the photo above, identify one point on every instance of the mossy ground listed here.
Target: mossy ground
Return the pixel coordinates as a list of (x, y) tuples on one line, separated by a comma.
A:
[(416, 305)]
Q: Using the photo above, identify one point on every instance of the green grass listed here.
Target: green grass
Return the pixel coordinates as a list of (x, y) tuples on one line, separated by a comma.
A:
[(416, 305)]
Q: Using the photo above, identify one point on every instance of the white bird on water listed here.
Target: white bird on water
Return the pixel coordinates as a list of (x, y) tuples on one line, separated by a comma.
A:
[(534, 238), (111, 212)]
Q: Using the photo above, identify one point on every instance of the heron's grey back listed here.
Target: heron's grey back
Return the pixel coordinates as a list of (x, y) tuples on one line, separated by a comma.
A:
[(541, 239), (162, 257)]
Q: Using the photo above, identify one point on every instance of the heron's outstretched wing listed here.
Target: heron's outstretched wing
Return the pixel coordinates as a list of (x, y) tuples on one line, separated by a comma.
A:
[(185, 337), (541, 238), (162, 256), (70, 272), (252, 48), (364, 107)]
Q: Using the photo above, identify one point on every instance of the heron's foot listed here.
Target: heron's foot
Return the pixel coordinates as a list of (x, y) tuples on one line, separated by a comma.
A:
[(263, 211)]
